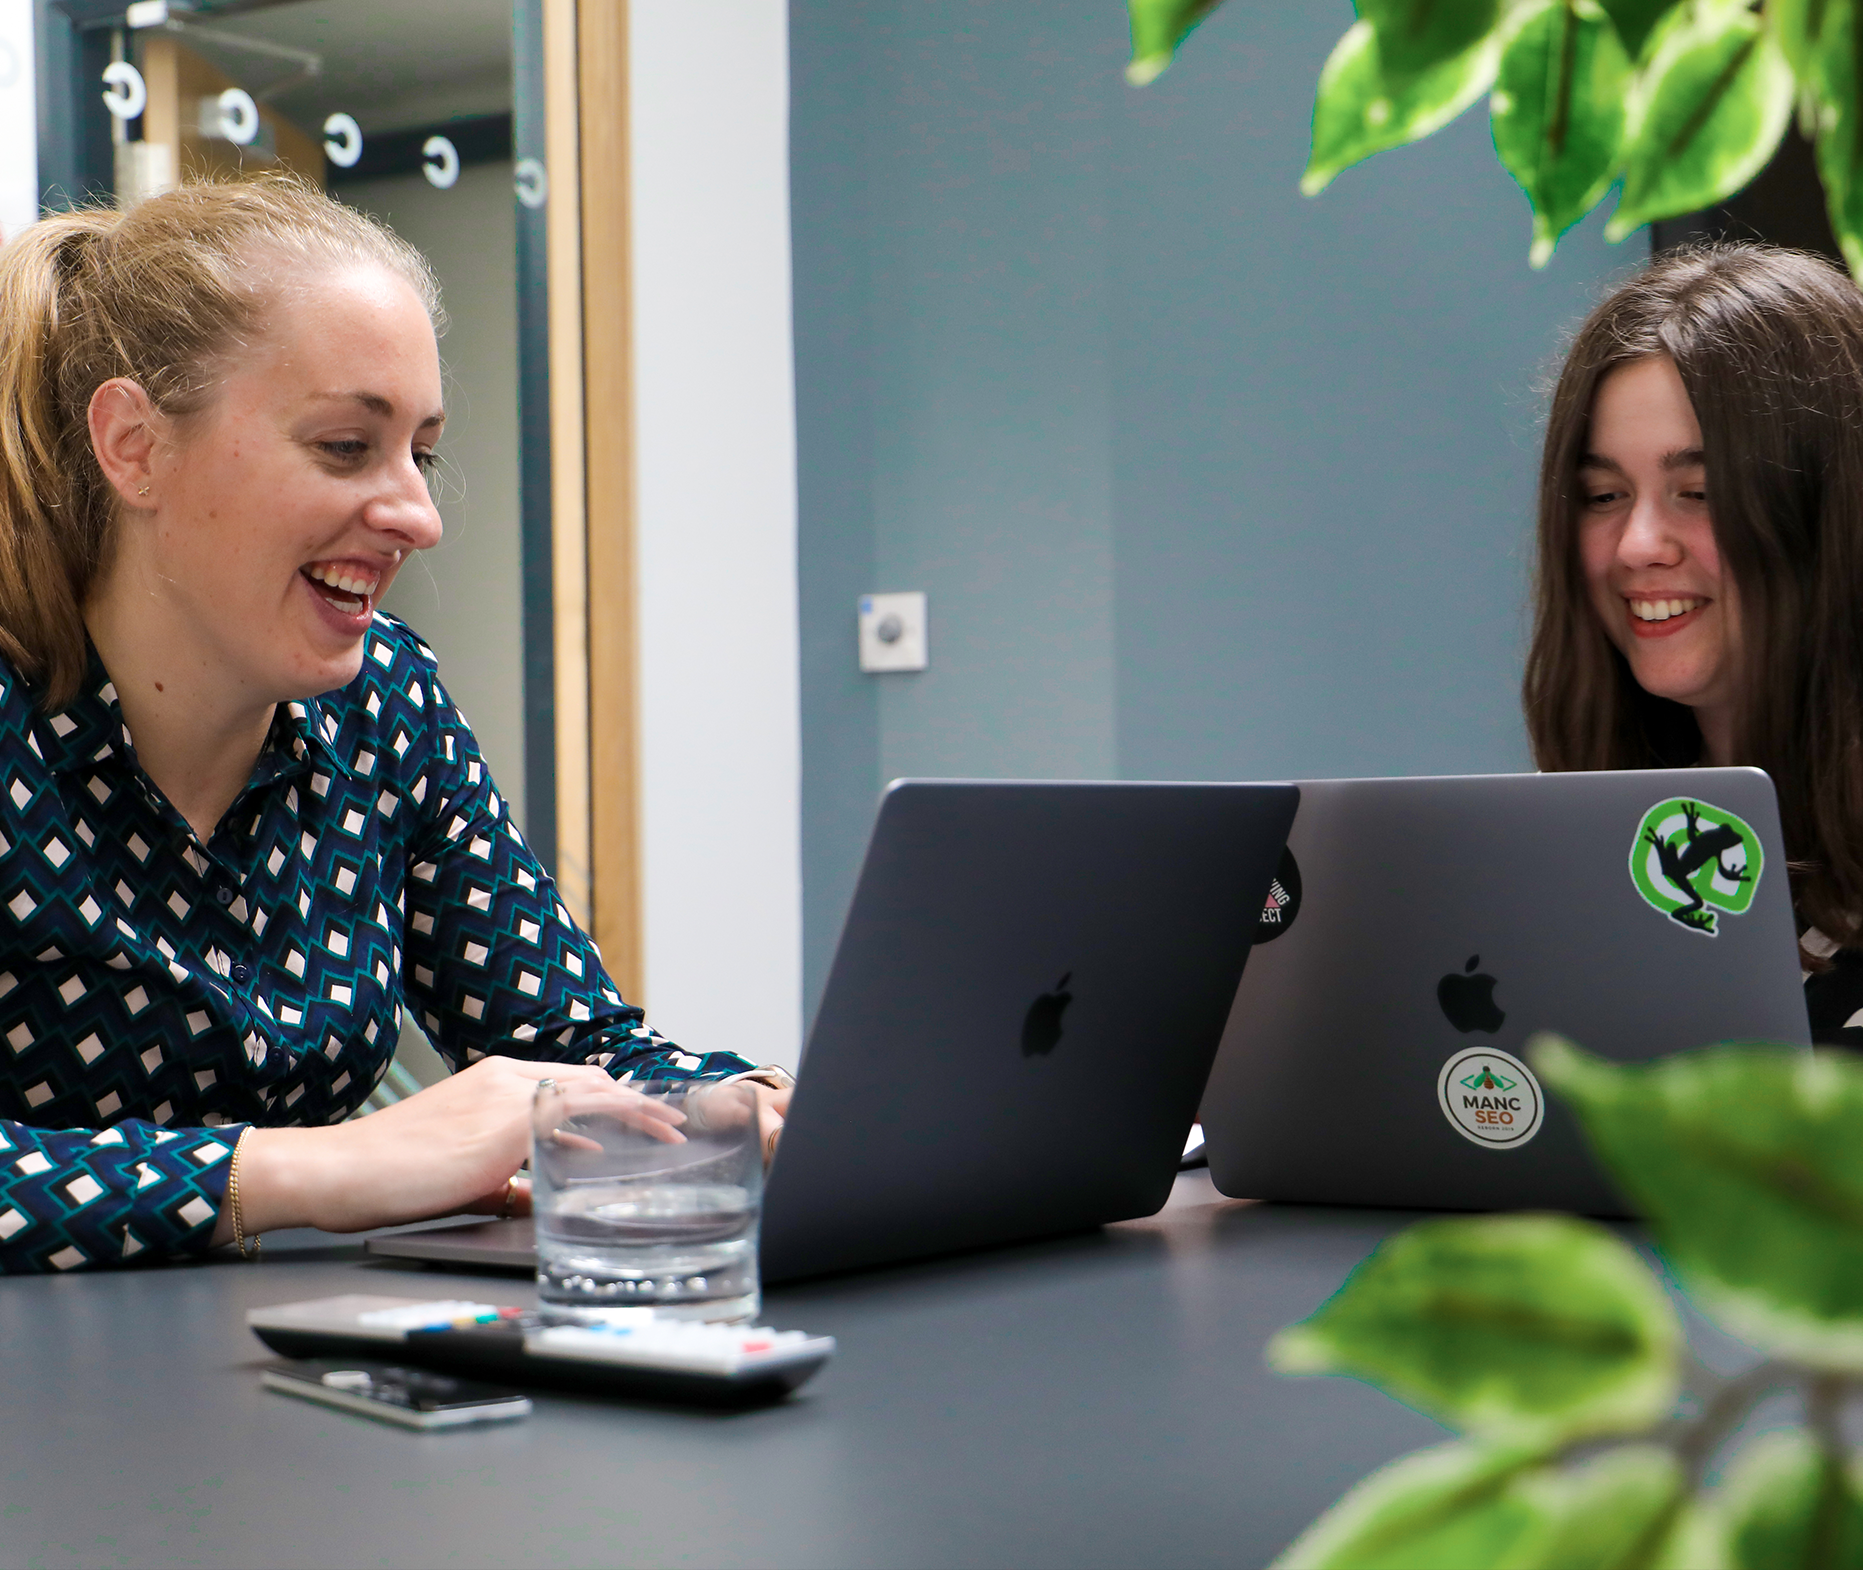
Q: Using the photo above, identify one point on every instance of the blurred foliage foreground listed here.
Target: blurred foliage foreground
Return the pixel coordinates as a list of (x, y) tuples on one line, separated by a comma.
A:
[(1588, 1431), (1682, 101)]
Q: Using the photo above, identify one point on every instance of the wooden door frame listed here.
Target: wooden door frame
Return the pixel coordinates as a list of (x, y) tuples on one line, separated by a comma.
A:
[(593, 492)]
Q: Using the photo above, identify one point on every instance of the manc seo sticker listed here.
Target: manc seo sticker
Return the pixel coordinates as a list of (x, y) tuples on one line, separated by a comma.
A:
[(1491, 1098)]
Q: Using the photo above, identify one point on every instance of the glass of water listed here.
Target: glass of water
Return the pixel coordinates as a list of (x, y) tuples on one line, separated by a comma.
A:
[(647, 1196)]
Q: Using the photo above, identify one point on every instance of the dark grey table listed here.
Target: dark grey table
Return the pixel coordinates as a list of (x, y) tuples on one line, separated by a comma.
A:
[(1095, 1400)]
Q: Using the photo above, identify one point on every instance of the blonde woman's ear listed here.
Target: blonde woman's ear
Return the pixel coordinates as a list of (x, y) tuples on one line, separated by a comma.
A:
[(123, 436)]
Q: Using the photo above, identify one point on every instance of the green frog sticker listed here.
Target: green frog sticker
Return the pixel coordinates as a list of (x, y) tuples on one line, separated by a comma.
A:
[(1696, 863)]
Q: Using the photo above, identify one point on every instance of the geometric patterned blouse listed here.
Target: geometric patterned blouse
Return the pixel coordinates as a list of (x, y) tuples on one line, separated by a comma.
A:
[(158, 995), (1834, 996)]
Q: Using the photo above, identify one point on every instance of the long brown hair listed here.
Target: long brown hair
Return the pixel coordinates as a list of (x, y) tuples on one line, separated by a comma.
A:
[(162, 293), (1769, 345)]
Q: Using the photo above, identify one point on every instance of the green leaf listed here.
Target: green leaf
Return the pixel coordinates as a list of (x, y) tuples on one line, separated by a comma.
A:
[(1748, 1162), (1558, 112), (1798, 27), (1707, 115), (1622, 1509), (1635, 20), (1525, 1328), (1357, 113), (1158, 27), (1786, 1503), (1446, 1508), (1839, 89), (1502, 1509), (1415, 36), (1694, 1541)]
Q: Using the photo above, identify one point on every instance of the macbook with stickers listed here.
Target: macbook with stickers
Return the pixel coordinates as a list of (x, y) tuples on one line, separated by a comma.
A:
[(1428, 928), (1017, 1027)]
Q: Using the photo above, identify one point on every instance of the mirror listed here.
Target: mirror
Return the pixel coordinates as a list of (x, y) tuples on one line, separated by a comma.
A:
[(428, 115), (404, 108)]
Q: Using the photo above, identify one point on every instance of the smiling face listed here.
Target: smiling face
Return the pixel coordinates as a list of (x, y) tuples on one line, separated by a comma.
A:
[(1647, 548), (278, 516)]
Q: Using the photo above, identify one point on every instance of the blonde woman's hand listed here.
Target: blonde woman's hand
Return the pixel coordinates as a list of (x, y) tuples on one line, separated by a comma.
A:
[(772, 1110), (452, 1148)]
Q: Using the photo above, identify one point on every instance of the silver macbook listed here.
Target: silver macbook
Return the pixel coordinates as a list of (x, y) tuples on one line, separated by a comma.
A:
[(1427, 928), (1018, 1025)]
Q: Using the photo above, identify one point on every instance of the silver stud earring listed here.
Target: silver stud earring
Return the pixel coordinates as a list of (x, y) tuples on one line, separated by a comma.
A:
[(142, 490)]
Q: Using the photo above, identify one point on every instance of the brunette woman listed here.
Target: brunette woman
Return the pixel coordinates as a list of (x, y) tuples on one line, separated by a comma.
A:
[(1700, 575), (240, 820)]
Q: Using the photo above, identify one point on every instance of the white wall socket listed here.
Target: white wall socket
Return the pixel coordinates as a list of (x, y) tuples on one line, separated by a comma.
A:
[(892, 632)]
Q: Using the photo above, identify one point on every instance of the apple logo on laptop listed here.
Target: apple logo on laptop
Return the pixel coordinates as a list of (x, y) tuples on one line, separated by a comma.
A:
[(1041, 1026), (1468, 999)]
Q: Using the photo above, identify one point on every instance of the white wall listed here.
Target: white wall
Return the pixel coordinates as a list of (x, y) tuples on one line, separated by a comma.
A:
[(19, 140), (720, 715)]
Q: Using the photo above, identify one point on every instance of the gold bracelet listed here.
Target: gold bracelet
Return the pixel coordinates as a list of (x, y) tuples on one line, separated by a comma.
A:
[(232, 1195), (772, 1074)]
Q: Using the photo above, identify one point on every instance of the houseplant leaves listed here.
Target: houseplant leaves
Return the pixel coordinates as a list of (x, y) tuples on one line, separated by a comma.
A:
[(1707, 114), (1711, 89), (1798, 26), (1558, 112), (1526, 1329), (1624, 1510), (1358, 111), (1746, 1161), (1839, 93), (1786, 1503), (1416, 36), (1443, 1507), (1635, 20), (1465, 1505), (1158, 27)]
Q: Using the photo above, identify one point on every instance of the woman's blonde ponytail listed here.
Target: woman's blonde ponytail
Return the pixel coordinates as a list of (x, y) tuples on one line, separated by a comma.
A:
[(50, 534), (166, 294)]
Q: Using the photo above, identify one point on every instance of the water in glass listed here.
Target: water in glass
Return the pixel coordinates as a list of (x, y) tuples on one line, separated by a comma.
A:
[(647, 1196)]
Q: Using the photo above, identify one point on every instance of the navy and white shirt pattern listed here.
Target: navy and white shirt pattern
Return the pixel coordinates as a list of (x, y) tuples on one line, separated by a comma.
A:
[(1834, 995), (158, 995)]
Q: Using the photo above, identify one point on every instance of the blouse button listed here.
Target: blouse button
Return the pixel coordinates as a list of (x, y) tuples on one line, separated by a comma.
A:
[(223, 895), (242, 974)]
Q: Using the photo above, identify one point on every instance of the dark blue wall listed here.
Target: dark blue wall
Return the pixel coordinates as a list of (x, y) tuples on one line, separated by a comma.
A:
[(1204, 479)]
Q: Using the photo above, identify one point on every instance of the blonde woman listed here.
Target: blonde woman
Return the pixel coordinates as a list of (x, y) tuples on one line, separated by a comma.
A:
[(240, 820)]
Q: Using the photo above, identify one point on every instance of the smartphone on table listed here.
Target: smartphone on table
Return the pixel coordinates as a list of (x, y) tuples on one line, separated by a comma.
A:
[(389, 1393)]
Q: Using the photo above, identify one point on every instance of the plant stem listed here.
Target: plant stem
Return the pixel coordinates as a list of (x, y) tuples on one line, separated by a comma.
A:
[(1824, 1397), (1696, 1442)]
